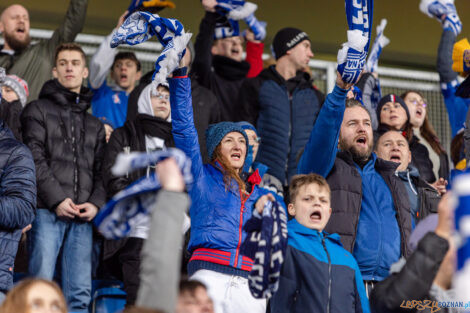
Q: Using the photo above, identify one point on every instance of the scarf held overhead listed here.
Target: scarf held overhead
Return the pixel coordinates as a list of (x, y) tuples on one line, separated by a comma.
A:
[(131, 205), (352, 55), (141, 26)]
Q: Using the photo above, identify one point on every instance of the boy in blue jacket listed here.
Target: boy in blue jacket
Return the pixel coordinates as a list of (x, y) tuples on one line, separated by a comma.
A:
[(318, 274)]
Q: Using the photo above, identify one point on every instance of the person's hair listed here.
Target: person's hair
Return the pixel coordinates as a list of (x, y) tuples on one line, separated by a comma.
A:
[(306, 179), (126, 55), (70, 46), (380, 135), (351, 103), (16, 299), (457, 152), (190, 286), (427, 130), (164, 87), (229, 172)]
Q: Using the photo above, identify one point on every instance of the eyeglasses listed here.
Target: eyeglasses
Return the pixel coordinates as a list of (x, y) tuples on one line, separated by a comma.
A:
[(162, 96), (415, 103)]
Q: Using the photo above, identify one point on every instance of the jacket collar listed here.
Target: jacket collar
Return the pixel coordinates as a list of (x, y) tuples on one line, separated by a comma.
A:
[(294, 227), (55, 92), (230, 69)]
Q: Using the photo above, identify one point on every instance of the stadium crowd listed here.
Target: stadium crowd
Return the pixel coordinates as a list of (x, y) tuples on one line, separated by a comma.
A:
[(273, 197)]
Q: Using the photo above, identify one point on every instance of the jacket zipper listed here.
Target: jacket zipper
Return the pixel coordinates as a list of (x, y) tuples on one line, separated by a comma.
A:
[(241, 225), (286, 180), (328, 309), (74, 151)]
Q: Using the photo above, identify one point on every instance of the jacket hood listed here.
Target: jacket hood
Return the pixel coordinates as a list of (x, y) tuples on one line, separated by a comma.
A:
[(144, 104), (55, 92), (413, 171), (5, 131), (230, 69)]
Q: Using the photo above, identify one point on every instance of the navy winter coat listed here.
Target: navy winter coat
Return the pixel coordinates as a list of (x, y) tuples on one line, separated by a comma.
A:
[(218, 214), (17, 199), (318, 275), (284, 113)]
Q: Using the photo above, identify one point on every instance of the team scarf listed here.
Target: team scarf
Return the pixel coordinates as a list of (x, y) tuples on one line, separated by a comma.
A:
[(234, 11), (266, 243), (461, 195), (132, 205), (352, 55), (141, 26), (379, 43)]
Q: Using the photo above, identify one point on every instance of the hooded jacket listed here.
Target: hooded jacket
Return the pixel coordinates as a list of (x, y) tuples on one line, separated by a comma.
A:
[(218, 212), (34, 64), (283, 113), (17, 200), (352, 195), (10, 114), (318, 275), (67, 144)]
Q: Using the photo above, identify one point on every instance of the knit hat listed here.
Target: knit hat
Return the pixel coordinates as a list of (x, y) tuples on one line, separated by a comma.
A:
[(428, 224), (391, 98), (216, 132), (461, 56), (246, 125), (286, 39), (19, 86)]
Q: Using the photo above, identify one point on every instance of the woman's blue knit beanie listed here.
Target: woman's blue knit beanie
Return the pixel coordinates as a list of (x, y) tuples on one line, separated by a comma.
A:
[(215, 133)]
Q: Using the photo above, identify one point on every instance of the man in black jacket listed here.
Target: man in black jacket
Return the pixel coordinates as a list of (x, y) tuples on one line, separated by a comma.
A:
[(392, 146), (67, 145)]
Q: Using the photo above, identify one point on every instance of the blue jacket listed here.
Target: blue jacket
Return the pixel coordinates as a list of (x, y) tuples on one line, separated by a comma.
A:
[(457, 107), (284, 114), (318, 275), (367, 204), (110, 105), (217, 213), (17, 199)]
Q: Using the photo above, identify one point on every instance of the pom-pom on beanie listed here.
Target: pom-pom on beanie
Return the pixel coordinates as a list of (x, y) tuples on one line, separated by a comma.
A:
[(216, 132), (286, 39)]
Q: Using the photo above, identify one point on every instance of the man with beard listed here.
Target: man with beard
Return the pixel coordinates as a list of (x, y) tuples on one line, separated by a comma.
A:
[(371, 211), (34, 63)]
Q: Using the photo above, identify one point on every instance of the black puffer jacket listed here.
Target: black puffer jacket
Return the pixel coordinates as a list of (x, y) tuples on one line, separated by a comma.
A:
[(67, 144), (10, 114)]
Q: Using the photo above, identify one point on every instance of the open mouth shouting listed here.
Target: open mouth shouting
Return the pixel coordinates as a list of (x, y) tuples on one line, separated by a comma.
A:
[(419, 112), (361, 141), (315, 216), (236, 156), (395, 157)]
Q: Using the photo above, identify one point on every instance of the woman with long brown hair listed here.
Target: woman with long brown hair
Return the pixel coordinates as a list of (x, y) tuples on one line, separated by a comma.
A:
[(424, 133), (222, 201)]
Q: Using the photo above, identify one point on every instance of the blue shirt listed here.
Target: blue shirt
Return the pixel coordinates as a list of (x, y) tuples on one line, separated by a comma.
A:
[(110, 104)]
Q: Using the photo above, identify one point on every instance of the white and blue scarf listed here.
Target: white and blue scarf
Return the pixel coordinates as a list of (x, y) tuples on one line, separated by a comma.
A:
[(266, 244), (379, 43), (236, 10), (141, 26), (352, 56), (131, 205)]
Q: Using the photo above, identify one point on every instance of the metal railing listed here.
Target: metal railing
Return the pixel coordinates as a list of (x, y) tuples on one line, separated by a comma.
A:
[(392, 80)]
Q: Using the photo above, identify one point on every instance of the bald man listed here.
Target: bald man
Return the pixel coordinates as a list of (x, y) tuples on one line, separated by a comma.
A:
[(34, 63)]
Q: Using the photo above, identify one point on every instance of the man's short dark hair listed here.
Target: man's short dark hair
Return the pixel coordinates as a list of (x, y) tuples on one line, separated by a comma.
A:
[(70, 46), (351, 103), (126, 55)]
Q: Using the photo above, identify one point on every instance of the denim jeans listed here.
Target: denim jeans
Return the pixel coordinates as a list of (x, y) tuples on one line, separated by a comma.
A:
[(48, 237)]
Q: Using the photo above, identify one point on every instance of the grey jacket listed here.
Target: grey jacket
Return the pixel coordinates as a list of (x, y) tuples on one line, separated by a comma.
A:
[(35, 63)]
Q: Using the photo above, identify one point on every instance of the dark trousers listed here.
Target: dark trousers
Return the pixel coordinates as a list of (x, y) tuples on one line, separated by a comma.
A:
[(125, 265)]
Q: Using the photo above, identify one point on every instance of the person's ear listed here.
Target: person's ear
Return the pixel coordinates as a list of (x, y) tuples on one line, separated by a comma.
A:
[(291, 209), (138, 75), (54, 72), (331, 211), (85, 72)]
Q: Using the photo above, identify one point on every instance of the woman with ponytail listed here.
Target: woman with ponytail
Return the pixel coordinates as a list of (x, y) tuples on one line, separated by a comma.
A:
[(221, 203)]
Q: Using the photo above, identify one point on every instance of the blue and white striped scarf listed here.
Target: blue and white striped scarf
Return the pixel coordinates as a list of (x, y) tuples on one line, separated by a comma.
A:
[(266, 244), (352, 56), (379, 43), (131, 205), (236, 10), (141, 26)]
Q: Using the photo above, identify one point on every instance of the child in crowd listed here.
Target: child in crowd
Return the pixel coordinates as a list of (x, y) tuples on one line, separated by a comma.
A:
[(318, 274)]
